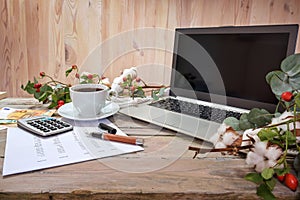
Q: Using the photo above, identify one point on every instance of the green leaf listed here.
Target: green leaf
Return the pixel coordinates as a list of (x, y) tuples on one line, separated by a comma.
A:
[(139, 92), (68, 71), (52, 105), (271, 183), (264, 192), (267, 173), (291, 138), (281, 171), (232, 122), (244, 122), (267, 134), (254, 177), (291, 65)]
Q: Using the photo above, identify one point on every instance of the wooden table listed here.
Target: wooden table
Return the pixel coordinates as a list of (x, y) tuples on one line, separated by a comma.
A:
[(164, 170)]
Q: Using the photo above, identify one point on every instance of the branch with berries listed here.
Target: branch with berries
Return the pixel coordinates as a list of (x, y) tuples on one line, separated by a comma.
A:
[(48, 90)]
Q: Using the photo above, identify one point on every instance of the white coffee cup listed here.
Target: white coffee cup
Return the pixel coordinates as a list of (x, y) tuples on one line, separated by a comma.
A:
[(89, 99)]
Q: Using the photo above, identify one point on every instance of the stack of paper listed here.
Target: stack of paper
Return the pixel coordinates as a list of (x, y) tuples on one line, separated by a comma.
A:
[(26, 152)]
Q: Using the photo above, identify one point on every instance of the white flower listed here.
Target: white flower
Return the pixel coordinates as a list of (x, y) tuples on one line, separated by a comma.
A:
[(263, 156)]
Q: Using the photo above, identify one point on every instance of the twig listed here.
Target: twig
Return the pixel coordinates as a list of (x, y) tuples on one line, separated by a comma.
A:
[(229, 149)]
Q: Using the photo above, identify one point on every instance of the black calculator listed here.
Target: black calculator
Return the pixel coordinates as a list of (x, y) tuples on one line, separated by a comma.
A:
[(44, 126)]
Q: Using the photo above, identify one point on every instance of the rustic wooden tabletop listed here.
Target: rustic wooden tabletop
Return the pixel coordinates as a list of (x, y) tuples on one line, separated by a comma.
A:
[(164, 170)]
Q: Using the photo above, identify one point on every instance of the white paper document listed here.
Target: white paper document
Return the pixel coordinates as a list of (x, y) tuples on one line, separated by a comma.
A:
[(27, 152)]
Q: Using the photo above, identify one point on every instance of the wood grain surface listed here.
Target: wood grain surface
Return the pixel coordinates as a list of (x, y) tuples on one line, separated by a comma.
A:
[(164, 170), (50, 36)]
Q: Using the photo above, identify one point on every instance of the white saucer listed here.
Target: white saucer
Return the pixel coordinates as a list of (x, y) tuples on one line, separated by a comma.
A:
[(69, 112)]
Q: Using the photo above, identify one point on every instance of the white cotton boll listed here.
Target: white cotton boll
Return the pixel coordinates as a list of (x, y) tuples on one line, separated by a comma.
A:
[(220, 145), (250, 133), (229, 138), (285, 115), (253, 158), (260, 148), (222, 129), (270, 163), (118, 80), (132, 72), (273, 152), (105, 81), (115, 87), (261, 166)]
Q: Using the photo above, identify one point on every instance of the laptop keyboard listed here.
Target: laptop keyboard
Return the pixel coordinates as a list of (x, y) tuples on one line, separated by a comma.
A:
[(195, 110)]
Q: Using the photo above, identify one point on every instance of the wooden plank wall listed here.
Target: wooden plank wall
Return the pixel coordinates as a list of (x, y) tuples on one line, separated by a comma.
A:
[(50, 36)]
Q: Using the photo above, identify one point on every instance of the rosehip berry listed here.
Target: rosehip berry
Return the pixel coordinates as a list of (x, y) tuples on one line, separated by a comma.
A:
[(62, 102), (90, 76), (132, 88), (124, 79), (77, 75), (138, 79), (37, 85), (74, 66), (291, 181), (281, 177), (42, 74), (287, 96)]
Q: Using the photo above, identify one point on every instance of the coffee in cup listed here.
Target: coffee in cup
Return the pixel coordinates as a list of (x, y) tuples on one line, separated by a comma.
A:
[(89, 99)]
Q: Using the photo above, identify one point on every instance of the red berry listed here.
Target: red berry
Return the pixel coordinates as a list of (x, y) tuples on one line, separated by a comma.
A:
[(42, 74), (77, 75), (38, 90), (124, 79), (287, 96), (37, 85), (138, 79), (281, 177), (132, 88), (62, 102), (90, 76), (74, 66), (291, 181)]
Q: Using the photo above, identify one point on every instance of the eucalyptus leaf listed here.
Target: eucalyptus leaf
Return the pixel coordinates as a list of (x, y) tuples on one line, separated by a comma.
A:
[(259, 117), (277, 73), (244, 122), (291, 65), (232, 122), (278, 85), (295, 82)]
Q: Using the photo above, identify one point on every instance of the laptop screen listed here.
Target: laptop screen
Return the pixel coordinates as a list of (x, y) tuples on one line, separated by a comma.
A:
[(228, 65)]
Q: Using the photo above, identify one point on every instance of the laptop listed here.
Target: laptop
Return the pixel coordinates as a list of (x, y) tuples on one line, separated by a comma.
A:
[(218, 72)]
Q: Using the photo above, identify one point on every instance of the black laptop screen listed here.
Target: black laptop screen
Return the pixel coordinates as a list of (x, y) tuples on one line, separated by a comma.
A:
[(230, 62)]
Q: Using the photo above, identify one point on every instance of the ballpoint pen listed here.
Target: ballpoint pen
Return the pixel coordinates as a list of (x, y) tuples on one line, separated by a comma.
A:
[(118, 138)]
